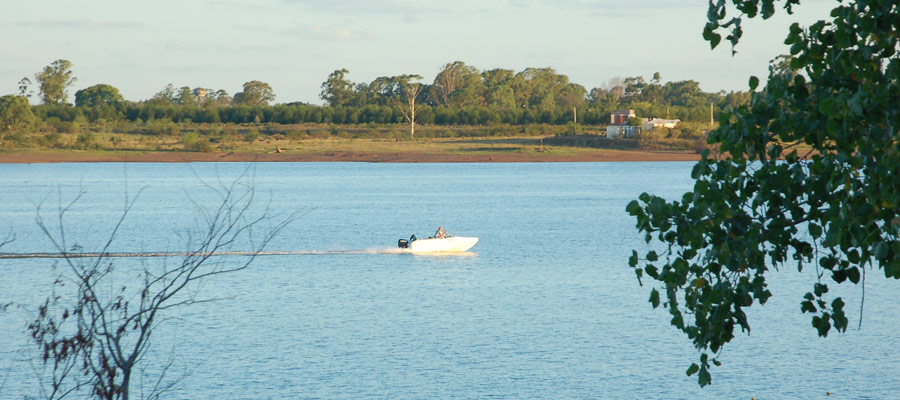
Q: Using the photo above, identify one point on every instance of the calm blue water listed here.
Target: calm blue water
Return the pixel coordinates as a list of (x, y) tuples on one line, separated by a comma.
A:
[(544, 306)]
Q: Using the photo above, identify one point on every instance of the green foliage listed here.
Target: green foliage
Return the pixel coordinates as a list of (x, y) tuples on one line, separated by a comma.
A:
[(255, 93), (53, 140), (87, 140), (24, 85), (191, 141), (459, 96), (185, 96), (98, 95), (457, 85), (337, 90), (763, 204), (54, 81), (251, 136), (161, 127), (15, 115)]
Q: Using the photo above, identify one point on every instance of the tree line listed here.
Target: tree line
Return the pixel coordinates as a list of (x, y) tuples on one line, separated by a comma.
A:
[(459, 95)]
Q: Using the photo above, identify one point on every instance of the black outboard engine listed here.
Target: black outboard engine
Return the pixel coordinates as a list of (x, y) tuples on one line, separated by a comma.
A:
[(403, 243)]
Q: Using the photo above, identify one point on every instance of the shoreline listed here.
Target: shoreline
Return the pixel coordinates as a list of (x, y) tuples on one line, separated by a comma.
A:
[(339, 156)]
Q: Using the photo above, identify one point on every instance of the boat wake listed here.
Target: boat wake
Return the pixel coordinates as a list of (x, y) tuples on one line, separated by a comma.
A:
[(383, 250)]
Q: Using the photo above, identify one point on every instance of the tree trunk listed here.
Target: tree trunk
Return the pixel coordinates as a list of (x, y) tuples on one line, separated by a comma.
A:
[(126, 377), (412, 118)]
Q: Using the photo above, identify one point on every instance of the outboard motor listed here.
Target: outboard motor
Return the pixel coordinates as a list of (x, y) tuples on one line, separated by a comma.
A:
[(402, 243)]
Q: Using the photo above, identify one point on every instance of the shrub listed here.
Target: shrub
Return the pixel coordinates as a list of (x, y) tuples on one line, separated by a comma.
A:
[(296, 135), (54, 140), (189, 140), (202, 146), (87, 140), (68, 127), (251, 135)]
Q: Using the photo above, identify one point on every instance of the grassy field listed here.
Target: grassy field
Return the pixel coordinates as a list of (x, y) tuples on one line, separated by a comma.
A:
[(200, 142)]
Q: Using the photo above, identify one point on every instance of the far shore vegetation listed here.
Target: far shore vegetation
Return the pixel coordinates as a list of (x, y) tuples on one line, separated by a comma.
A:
[(323, 138), (392, 113)]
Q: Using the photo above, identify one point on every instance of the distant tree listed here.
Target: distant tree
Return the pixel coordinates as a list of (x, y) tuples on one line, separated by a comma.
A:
[(571, 95), (521, 90), (166, 95), (539, 87), (384, 90), (55, 81), (217, 99), (185, 96), (497, 77), (98, 95), (446, 81), (735, 99), (410, 91), (15, 115), (684, 93), (255, 93), (618, 92), (652, 93), (634, 86), (337, 90), (498, 91), (603, 102), (502, 97), (24, 85), (458, 85), (616, 86), (596, 95)]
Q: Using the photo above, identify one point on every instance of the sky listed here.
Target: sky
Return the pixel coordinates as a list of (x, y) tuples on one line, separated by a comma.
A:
[(140, 47)]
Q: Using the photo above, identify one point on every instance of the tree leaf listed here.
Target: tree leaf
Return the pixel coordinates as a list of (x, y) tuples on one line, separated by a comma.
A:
[(654, 298), (692, 369)]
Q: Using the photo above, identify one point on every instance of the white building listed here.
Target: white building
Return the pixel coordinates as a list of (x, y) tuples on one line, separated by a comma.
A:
[(652, 123), (201, 93), (614, 131), (618, 124)]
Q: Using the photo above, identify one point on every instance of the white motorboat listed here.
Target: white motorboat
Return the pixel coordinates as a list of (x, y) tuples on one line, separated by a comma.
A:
[(435, 245)]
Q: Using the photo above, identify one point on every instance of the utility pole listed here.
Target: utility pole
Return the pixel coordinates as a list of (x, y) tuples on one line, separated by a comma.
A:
[(710, 115)]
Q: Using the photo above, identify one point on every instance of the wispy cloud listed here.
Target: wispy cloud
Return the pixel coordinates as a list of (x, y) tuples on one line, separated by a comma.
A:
[(390, 7), (199, 48), (92, 23), (616, 6), (328, 33), (233, 3), (252, 28)]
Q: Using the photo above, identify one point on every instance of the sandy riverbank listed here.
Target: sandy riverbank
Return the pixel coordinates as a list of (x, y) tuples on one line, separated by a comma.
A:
[(404, 157)]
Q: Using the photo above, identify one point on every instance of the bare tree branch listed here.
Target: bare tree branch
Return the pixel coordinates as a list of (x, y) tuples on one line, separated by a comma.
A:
[(113, 325)]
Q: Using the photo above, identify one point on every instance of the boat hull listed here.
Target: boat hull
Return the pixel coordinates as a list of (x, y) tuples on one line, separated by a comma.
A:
[(454, 243)]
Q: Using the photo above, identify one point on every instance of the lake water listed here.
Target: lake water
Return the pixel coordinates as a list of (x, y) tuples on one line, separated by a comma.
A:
[(544, 306)]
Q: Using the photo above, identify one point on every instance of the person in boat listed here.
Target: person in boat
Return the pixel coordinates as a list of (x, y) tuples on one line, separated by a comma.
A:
[(441, 233)]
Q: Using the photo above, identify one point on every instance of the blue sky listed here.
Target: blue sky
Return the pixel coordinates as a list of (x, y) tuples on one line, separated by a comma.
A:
[(140, 47)]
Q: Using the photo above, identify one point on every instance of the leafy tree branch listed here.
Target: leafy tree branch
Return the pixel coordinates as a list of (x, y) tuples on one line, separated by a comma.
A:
[(758, 203)]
